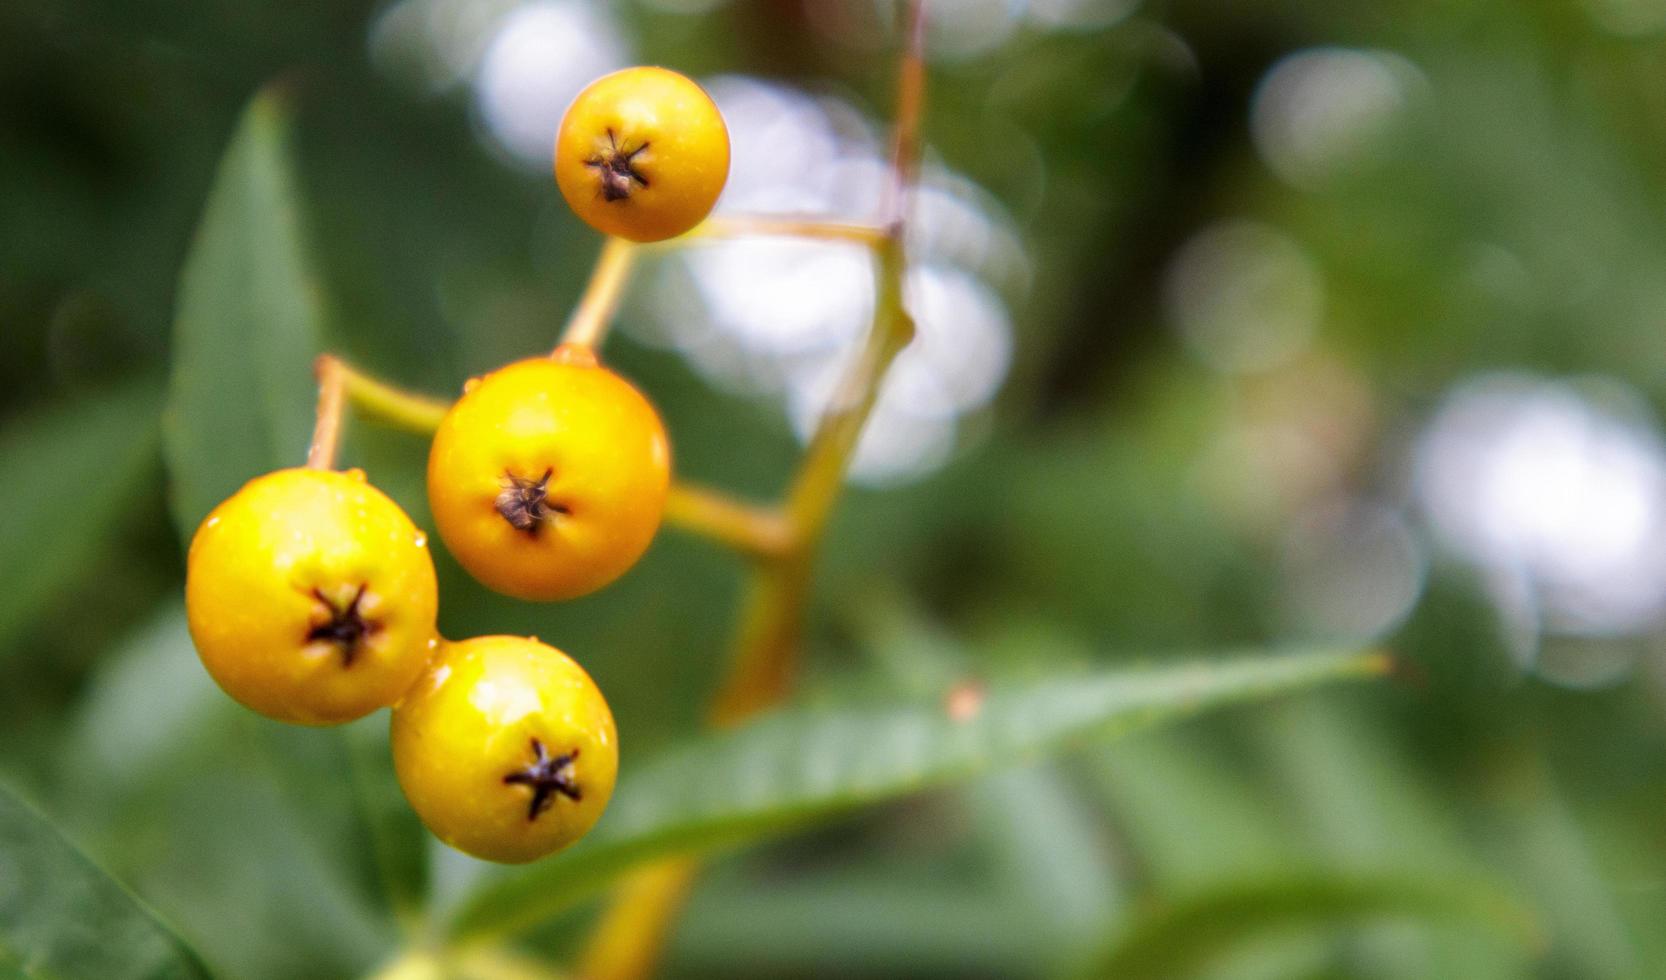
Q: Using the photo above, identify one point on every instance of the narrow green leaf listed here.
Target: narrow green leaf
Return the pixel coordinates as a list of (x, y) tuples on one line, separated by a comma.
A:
[(165, 776), (868, 922), (248, 325), (60, 916), (1338, 769), (1183, 938), (64, 479), (818, 760)]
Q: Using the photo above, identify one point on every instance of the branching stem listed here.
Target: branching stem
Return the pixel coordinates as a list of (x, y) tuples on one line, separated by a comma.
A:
[(782, 541), (632, 932), (340, 383)]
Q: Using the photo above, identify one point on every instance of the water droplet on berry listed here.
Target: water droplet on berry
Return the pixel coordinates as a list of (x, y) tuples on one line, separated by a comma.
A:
[(470, 385), (421, 540), (356, 474)]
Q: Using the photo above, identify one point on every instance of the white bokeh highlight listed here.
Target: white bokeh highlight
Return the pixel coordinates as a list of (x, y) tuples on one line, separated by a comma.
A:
[(435, 43), (1558, 492), (523, 61), (543, 53), (1320, 111), (781, 318), (769, 317), (1078, 15)]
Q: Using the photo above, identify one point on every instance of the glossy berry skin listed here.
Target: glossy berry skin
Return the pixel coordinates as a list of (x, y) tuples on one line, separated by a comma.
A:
[(642, 154), (505, 748), (311, 597), (547, 479)]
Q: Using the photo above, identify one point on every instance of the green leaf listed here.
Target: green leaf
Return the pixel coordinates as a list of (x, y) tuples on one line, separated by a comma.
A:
[(164, 776), (821, 759), (873, 921), (64, 478), (398, 843), (1341, 775), (60, 916), (148, 702), (1183, 938), (240, 402), (1192, 814)]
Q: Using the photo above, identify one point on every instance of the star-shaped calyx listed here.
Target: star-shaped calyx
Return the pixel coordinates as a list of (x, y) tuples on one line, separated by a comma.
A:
[(618, 173), (346, 627), (524, 502), (548, 776)]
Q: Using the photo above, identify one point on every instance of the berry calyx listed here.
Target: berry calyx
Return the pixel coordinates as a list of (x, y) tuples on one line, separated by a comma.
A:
[(618, 177), (346, 628), (311, 596), (547, 479), (546, 776), (525, 502), (642, 154), (505, 748)]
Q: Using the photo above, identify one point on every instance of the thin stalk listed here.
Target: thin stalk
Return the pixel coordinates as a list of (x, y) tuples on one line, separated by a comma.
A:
[(785, 226), (649, 900), (339, 384), (594, 315), (326, 429), (396, 406), (752, 531), (776, 598)]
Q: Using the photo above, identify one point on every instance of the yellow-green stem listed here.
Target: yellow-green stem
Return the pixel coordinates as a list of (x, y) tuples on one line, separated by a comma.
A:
[(649, 898), (778, 594), (326, 426), (785, 226), (416, 413), (339, 383), (772, 622), (593, 316), (753, 531)]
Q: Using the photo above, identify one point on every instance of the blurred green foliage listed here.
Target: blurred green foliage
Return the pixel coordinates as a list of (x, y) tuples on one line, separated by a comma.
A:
[(1462, 819)]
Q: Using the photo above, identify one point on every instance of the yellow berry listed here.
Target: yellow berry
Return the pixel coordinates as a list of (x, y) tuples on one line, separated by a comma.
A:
[(642, 154), (311, 597), (505, 748), (547, 479)]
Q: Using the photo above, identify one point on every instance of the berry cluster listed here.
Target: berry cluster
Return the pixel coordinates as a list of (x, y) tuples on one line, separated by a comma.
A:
[(311, 596)]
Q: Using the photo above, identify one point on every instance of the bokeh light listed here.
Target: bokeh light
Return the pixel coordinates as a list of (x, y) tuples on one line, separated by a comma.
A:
[(435, 44), (541, 56), (782, 318), (1557, 491), (1319, 111), (1353, 569), (524, 61), (1078, 15), (958, 29)]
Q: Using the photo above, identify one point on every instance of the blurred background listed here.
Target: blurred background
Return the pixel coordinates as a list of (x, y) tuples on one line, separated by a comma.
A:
[(1241, 324)]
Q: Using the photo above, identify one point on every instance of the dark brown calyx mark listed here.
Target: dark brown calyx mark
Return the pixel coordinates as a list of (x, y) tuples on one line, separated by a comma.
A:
[(346, 628), (618, 174), (525, 502), (548, 776)]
